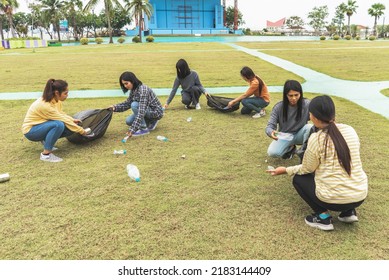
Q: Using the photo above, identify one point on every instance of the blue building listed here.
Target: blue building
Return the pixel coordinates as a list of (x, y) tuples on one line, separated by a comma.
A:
[(185, 17)]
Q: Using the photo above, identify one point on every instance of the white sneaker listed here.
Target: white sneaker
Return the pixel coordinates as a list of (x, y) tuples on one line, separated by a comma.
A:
[(260, 114), (50, 158), (198, 107)]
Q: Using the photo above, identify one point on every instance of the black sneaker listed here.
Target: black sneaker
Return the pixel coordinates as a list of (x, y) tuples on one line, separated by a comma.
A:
[(153, 124), (315, 221), (349, 216), (289, 155)]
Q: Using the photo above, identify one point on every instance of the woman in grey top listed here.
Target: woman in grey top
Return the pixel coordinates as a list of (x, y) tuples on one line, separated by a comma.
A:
[(287, 125), (190, 83)]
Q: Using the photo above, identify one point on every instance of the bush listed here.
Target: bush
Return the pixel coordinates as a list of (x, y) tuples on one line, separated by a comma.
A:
[(150, 39), (372, 38), (322, 38), (84, 41), (136, 39), (347, 37), (336, 37), (99, 40), (121, 40), (358, 37)]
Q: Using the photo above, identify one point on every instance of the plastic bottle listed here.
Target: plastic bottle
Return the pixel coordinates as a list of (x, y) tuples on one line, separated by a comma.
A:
[(4, 177), (133, 172), (124, 140), (119, 152), (162, 138), (189, 119)]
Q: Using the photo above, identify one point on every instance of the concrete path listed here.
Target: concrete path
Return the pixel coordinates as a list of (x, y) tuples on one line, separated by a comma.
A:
[(365, 94)]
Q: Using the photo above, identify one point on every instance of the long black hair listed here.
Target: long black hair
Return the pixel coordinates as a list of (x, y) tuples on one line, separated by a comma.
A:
[(182, 68), (323, 108), (130, 77), (53, 85), (288, 86), (249, 74)]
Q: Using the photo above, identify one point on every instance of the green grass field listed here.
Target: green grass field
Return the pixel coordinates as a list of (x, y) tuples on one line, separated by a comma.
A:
[(217, 203)]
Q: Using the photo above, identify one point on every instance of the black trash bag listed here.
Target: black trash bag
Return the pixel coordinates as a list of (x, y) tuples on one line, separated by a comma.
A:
[(220, 103), (97, 120)]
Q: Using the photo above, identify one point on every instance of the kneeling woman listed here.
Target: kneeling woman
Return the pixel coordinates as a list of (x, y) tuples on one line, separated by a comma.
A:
[(46, 122), (331, 175), (146, 108)]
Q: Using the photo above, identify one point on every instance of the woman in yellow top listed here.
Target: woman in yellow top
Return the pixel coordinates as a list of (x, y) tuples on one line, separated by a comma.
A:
[(46, 122), (258, 90), (331, 176)]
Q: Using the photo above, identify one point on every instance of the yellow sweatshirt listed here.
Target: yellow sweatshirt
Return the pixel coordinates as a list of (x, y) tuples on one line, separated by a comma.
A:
[(41, 111)]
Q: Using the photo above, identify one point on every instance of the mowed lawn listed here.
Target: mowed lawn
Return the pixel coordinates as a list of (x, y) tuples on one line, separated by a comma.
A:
[(217, 203)]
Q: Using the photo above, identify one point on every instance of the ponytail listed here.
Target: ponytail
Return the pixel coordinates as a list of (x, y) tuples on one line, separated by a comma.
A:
[(51, 87), (323, 108)]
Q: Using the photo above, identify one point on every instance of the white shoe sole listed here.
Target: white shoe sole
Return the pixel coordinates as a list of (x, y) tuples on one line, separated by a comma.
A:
[(320, 226), (348, 220)]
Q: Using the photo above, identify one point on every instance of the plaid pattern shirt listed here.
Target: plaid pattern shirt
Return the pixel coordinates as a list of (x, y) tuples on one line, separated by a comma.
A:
[(147, 101)]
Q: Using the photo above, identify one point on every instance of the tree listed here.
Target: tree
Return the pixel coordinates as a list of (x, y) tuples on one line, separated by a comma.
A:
[(349, 9), (295, 23), (7, 7), (71, 9), (230, 17), (138, 8), (52, 11), (318, 16), (339, 17), (376, 11), (108, 8), (3, 3)]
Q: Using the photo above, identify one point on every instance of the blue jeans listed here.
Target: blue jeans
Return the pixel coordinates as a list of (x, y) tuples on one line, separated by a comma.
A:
[(253, 104), (279, 147), (131, 118), (49, 132)]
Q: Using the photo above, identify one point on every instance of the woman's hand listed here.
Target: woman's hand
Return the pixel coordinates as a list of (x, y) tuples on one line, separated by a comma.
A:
[(129, 134), (231, 103), (278, 171), (274, 135), (77, 121), (165, 106), (111, 108)]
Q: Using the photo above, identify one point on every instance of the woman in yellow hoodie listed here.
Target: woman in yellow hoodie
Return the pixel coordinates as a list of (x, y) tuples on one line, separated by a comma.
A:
[(46, 122)]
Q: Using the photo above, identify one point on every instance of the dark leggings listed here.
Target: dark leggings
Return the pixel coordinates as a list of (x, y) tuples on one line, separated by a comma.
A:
[(191, 95), (305, 187)]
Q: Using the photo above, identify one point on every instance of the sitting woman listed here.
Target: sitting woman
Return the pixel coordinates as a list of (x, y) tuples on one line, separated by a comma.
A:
[(46, 122), (331, 175), (287, 125), (190, 84), (146, 108), (258, 90)]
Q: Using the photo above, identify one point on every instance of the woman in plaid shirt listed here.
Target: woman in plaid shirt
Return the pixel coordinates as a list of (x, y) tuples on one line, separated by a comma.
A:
[(146, 108)]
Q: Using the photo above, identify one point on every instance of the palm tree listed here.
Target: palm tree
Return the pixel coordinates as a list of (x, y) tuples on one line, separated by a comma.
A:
[(349, 9), (71, 7), (376, 11), (52, 10), (3, 3), (339, 17), (7, 7), (138, 8), (108, 9)]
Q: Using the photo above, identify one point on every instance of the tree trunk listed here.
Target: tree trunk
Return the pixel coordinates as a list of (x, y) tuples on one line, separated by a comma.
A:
[(349, 26), (375, 26), (140, 26), (1, 29)]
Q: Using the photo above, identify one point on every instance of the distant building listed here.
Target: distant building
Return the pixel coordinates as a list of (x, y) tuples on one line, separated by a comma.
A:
[(186, 17), (277, 26)]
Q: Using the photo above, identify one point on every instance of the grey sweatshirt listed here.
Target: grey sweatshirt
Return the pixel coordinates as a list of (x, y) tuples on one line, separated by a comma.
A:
[(291, 125), (189, 81)]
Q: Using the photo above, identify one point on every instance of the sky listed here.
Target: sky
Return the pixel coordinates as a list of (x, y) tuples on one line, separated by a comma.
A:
[(256, 12)]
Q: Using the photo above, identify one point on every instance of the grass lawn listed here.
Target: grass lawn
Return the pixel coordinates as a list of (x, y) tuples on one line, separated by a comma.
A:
[(349, 60), (217, 203)]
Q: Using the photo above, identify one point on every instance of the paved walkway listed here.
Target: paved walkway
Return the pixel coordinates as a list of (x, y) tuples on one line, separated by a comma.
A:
[(365, 94)]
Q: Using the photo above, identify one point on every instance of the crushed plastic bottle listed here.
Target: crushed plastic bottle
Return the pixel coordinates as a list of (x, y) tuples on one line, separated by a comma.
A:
[(119, 152), (4, 177), (133, 172), (162, 138), (189, 119)]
